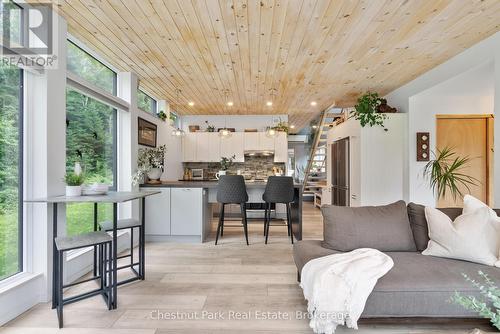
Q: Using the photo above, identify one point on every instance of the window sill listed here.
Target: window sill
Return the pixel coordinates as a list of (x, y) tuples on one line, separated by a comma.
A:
[(17, 280)]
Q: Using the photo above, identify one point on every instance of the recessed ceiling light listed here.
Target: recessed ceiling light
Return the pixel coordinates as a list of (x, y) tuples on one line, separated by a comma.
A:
[(292, 126), (269, 103), (314, 103), (191, 104), (230, 103)]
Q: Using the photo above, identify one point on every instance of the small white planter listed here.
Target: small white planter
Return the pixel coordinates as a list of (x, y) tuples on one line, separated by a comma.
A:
[(154, 174), (72, 191), (220, 173)]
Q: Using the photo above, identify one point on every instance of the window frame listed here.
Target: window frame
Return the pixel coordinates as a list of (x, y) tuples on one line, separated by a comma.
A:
[(154, 106)]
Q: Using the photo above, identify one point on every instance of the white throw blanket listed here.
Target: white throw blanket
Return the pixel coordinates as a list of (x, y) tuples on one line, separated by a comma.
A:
[(337, 286)]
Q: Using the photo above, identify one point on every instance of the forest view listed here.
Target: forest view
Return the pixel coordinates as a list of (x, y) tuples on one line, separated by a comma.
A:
[(90, 136), (10, 96)]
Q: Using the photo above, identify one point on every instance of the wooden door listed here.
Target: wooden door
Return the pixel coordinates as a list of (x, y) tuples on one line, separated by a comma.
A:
[(472, 136)]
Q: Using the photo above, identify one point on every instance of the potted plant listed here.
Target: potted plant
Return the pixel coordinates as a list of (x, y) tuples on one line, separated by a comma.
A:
[(73, 184), (444, 173), (161, 115), (281, 126), (366, 110), (225, 164), (150, 163), (210, 127), (172, 118)]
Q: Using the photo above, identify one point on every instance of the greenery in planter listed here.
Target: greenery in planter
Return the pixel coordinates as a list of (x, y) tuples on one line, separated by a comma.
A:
[(281, 126), (74, 180), (147, 159), (161, 115), (210, 127), (366, 110), (444, 173), (490, 291), (226, 163)]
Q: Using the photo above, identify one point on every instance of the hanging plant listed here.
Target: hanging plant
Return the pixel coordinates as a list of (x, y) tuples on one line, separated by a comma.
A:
[(366, 110), (444, 173), (161, 115)]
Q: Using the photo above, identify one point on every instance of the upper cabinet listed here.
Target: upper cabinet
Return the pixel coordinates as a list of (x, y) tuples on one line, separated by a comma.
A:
[(280, 147), (266, 142), (209, 147), (252, 141), (189, 147), (233, 145)]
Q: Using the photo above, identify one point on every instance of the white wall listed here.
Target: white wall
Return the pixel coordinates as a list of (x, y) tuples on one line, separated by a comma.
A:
[(466, 84), (239, 122)]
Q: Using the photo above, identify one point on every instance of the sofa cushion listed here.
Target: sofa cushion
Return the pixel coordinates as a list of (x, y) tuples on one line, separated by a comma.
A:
[(417, 285), (418, 223), (385, 228)]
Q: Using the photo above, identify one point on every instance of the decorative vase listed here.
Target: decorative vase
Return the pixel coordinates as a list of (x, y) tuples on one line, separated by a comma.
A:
[(220, 173), (154, 174), (73, 191)]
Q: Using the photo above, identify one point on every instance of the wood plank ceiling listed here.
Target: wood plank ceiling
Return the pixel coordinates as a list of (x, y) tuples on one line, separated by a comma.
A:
[(290, 52)]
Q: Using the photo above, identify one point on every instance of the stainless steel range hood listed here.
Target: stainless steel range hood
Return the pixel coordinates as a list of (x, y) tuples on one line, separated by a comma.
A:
[(259, 153)]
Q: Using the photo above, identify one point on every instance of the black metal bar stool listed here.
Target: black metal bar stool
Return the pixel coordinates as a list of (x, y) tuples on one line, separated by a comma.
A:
[(102, 242), (123, 224), (279, 189), (232, 190)]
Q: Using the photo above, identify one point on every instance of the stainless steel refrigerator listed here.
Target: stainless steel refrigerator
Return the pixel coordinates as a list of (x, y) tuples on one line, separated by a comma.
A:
[(340, 172)]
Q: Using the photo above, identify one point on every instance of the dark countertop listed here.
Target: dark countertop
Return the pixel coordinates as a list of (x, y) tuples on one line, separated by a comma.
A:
[(203, 184)]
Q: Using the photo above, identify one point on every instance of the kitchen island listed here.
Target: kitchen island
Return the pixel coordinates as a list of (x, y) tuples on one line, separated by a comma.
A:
[(183, 211)]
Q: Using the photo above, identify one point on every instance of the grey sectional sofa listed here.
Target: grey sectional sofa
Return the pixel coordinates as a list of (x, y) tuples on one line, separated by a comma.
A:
[(417, 285)]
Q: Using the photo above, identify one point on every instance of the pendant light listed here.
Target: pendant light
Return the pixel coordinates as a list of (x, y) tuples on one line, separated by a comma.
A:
[(224, 132), (270, 131), (178, 132)]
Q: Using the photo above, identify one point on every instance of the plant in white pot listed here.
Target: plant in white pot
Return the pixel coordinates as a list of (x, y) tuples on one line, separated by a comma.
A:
[(73, 184), (225, 164), (150, 163)]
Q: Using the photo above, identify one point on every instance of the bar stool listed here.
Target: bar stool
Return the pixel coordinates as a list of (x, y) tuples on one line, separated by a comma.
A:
[(102, 241), (232, 190), (123, 224), (279, 189)]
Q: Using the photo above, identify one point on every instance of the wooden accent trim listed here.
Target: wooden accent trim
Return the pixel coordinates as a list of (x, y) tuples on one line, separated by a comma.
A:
[(464, 116), (490, 162)]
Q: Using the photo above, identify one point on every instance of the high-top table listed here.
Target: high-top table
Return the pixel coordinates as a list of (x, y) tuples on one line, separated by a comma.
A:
[(110, 197)]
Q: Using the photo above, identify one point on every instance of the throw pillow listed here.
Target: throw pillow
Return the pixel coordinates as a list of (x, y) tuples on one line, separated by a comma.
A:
[(471, 237), (385, 228)]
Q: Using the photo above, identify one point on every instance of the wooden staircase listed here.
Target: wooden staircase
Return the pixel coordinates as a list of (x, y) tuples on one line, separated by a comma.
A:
[(315, 173)]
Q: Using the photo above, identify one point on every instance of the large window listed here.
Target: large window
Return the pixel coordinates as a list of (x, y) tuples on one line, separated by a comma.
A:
[(11, 218), (90, 69), (146, 102), (90, 136)]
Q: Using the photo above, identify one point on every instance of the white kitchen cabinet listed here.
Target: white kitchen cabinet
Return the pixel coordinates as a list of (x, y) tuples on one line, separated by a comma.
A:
[(186, 211), (266, 142), (252, 141), (213, 147), (202, 146), (189, 147), (158, 213), (281, 147), (233, 145)]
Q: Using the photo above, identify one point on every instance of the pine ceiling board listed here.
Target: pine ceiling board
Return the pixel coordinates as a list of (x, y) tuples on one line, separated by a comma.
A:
[(186, 22), (322, 50), (151, 26)]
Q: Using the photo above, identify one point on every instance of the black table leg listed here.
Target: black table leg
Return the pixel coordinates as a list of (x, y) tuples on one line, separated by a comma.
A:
[(115, 256), (55, 262), (142, 240), (95, 247)]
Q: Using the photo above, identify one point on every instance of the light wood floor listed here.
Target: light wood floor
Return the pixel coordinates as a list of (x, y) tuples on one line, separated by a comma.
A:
[(204, 279)]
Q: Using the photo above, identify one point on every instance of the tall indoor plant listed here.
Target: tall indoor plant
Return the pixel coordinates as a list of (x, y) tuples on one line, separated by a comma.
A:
[(150, 163), (445, 173)]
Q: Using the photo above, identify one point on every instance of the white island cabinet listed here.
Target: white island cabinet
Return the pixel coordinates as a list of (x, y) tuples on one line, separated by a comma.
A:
[(177, 214)]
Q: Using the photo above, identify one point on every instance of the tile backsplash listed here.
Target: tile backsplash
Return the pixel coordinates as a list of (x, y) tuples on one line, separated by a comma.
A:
[(252, 168)]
